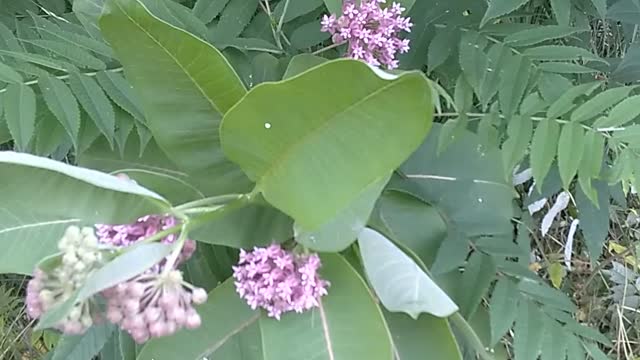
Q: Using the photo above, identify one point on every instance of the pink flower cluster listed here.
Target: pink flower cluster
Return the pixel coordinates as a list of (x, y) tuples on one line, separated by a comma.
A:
[(279, 281), (371, 31), (155, 303)]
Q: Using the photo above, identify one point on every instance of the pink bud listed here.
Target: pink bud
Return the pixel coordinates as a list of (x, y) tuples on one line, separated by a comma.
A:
[(121, 289), (114, 315), (171, 327), (177, 314), (152, 314), (132, 306), (72, 328), (193, 321), (169, 300), (157, 329), (137, 322), (135, 289), (199, 296), (140, 336)]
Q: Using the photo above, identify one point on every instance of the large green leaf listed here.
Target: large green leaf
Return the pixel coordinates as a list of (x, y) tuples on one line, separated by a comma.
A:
[(413, 339), (224, 317), (346, 325), (66, 195), (85, 346), (313, 169), (570, 151), (184, 90), (95, 103), (339, 232), (467, 186), (543, 149), (398, 281)]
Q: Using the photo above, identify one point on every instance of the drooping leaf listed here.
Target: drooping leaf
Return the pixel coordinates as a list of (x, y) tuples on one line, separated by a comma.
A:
[(513, 150), (20, 113), (559, 53), (265, 69), (398, 281), (85, 346), (441, 47), (73, 191), (591, 163), (570, 152), (234, 18), (120, 92), (124, 267), (426, 335), (566, 102), (528, 332), (561, 10), (479, 272), (74, 54), (334, 6), (348, 308), (184, 122), (621, 114), (554, 341), (95, 103), (599, 103), (342, 230), (7, 74), (301, 63), (496, 59), (224, 316), (274, 148), (541, 33), (594, 218), (543, 149), (207, 10), (565, 68), (514, 80), (500, 8), (504, 306), (62, 103)]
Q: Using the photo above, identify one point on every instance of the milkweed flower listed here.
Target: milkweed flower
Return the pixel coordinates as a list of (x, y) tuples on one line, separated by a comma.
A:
[(279, 281), (80, 255), (372, 33), (157, 302)]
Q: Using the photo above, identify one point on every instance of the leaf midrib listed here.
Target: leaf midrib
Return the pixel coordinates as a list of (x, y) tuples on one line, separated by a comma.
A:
[(176, 60), (292, 149)]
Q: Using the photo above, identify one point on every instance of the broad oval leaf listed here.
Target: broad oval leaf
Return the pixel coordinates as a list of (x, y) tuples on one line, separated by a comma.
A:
[(347, 324), (566, 101), (296, 145), (398, 281), (134, 261), (622, 113), (339, 232), (72, 191), (184, 91), (541, 33), (414, 338), (224, 316), (85, 346)]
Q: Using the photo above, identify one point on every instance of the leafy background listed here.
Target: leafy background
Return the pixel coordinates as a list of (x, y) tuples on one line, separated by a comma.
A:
[(544, 88)]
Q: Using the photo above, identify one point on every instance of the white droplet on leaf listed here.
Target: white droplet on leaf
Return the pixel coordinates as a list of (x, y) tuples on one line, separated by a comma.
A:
[(479, 200), (267, 125)]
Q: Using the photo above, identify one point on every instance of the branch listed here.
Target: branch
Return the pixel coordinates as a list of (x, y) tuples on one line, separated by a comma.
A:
[(66, 76)]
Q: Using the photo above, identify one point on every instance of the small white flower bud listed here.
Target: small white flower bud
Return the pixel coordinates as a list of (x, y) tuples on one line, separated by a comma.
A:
[(69, 258), (199, 296)]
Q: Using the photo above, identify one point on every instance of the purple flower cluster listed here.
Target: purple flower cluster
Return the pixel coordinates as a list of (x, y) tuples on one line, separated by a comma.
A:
[(127, 234), (279, 281), (371, 31)]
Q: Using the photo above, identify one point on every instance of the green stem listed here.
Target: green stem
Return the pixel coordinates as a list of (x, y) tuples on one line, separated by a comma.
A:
[(66, 76), (332, 46), (284, 12), (213, 200), (470, 335), (176, 251), (221, 211)]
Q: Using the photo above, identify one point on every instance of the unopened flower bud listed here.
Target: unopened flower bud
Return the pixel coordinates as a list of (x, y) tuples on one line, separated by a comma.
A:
[(199, 296)]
